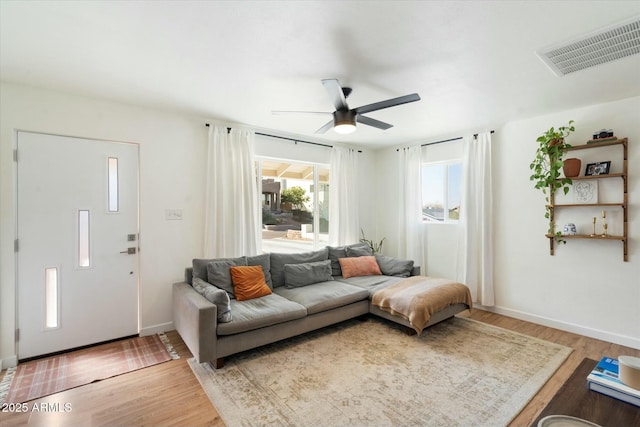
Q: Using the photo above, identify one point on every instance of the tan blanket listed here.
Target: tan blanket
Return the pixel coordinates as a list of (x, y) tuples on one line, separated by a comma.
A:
[(416, 298)]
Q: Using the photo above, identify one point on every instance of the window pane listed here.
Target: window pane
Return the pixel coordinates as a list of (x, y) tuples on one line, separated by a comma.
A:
[(453, 202), (51, 297), (113, 184), (323, 205), (433, 192), (287, 206), (83, 239)]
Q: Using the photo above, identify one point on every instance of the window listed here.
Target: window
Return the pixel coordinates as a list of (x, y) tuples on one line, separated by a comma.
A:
[(441, 186), (51, 298), (294, 205), (113, 184)]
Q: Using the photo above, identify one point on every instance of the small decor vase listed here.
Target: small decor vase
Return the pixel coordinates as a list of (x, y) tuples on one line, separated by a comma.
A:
[(570, 229), (571, 167)]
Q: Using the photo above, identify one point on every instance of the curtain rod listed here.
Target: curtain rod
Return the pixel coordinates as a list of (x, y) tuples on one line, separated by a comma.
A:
[(475, 135), (288, 139)]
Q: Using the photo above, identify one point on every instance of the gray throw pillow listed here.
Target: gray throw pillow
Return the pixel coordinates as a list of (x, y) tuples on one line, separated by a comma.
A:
[(217, 296), (394, 267), (298, 275), (335, 253), (200, 265), (218, 274), (358, 250), (263, 260), (278, 260)]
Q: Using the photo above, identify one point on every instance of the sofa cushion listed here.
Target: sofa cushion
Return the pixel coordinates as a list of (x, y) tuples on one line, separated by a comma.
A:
[(248, 282), (359, 266), (308, 273), (218, 274), (337, 252), (278, 260), (263, 260), (394, 267), (370, 283), (215, 295), (324, 296), (260, 312), (200, 265)]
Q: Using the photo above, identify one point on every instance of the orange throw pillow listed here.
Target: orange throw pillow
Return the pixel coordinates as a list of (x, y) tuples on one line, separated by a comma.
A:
[(248, 282), (359, 266)]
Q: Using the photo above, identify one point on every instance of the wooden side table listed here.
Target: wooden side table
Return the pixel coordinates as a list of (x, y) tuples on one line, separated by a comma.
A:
[(575, 399)]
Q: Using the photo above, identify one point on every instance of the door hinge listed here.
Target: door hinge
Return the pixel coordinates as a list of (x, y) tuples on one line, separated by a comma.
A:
[(17, 335), (16, 245), (15, 155)]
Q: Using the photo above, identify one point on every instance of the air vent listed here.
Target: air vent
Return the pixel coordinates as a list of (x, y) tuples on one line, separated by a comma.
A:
[(606, 45)]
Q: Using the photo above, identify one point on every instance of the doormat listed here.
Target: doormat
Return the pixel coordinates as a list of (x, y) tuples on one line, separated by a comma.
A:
[(457, 373), (42, 377)]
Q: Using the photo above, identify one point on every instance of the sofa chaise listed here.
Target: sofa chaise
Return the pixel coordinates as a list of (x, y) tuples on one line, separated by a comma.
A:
[(220, 309)]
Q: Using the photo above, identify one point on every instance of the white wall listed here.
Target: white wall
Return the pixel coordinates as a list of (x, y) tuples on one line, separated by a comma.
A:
[(586, 287), (172, 165)]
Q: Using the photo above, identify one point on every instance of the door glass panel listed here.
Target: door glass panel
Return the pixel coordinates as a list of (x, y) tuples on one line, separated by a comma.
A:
[(83, 239), (51, 297), (113, 185)]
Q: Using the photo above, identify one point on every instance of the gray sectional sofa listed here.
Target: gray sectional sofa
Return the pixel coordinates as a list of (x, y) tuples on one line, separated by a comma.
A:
[(308, 292)]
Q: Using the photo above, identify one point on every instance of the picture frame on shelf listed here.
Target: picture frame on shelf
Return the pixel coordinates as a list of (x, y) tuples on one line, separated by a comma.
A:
[(598, 168), (585, 192)]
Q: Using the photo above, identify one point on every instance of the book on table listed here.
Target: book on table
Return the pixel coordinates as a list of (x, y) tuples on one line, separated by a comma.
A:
[(604, 379)]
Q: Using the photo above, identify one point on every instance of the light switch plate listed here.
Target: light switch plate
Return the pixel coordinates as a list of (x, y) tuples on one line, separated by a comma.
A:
[(173, 214)]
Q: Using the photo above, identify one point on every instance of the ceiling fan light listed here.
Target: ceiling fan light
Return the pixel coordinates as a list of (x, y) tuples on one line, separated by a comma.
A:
[(344, 128), (344, 122)]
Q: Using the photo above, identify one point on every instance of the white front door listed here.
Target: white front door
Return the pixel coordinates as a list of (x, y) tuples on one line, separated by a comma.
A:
[(77, 248)]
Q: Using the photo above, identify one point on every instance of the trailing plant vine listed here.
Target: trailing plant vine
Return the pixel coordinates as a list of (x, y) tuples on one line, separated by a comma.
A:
[(547, 167)]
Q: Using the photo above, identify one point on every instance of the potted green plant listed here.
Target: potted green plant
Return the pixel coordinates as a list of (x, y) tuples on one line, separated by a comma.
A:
[(375, 247), (547, 165)]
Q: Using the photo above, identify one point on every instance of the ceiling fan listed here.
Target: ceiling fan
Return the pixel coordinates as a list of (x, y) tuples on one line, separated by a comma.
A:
[(344, 119)]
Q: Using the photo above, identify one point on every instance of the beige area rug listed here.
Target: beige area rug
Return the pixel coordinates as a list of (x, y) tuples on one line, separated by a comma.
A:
[(457, 373), (42, 377)]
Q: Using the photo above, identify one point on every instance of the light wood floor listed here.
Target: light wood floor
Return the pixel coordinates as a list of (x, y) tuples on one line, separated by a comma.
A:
[(168, 394)]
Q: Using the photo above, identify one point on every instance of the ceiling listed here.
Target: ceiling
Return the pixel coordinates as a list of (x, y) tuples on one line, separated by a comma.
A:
[(233, 62)]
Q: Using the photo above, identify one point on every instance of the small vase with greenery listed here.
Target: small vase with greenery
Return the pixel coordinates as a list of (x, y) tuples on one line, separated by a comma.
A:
[(547, 166)]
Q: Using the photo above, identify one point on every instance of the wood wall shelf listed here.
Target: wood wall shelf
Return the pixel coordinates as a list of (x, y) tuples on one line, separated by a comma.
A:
[(590, 237), (624, 205), (576, 205), (621, 141), (608, 175)]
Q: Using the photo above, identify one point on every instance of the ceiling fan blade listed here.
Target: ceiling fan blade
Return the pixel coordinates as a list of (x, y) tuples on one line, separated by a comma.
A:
[(388, 103), (326, 127), (276, 112), (373, 122), (335, 92)]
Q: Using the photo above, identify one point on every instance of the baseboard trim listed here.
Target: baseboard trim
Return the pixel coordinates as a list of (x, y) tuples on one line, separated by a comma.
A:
[(566, 326), (8, 362), (157, 329)]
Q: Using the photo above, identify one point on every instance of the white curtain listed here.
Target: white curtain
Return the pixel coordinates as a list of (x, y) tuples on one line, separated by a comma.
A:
[(231, 208), (410, 227), (475, 256), (343, 197)]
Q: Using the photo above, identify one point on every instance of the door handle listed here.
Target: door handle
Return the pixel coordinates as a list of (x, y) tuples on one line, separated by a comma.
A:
[(129, 251)]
